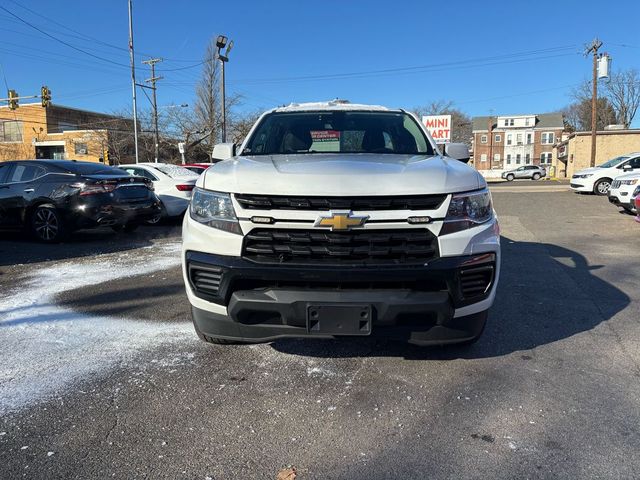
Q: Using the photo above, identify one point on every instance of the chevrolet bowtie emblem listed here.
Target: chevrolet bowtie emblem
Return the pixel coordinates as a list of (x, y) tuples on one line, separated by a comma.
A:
[(341, 221)]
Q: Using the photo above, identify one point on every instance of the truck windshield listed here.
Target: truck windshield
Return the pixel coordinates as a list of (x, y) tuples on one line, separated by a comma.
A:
[(338, 132)]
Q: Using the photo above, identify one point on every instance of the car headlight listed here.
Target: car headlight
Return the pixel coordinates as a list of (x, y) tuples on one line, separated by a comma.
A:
[(214, 209), (636, 192), (628, 182), (467, 210)]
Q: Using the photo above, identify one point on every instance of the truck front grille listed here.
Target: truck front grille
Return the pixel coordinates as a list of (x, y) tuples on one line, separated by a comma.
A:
[(358, 247), (405, 202)]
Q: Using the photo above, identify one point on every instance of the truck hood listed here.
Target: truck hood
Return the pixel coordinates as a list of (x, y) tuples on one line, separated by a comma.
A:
[(341, 175)]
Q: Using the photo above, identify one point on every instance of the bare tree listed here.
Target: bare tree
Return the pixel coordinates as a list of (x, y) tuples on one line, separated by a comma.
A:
[(460, 121), (207, 106), (241, 124), (623, 92), (577, 115)]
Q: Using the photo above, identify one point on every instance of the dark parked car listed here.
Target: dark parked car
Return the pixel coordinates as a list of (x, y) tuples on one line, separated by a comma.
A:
[(52, 198), (534, 172)]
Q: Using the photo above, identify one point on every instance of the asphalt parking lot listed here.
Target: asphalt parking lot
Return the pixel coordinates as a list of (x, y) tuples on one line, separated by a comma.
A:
[(102, 375)]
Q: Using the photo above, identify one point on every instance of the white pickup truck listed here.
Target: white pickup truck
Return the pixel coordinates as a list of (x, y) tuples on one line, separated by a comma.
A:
[(334, 219)]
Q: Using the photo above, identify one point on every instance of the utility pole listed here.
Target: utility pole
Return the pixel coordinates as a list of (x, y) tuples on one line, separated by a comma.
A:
[(490, 134), (593, 48), (152, 63), (133, 81)]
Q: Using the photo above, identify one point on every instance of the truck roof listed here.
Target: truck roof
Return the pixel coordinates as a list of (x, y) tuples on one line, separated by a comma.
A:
[(330, 106)]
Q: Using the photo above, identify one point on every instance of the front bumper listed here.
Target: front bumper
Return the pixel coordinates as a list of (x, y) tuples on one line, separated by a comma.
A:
[(237, 299), (581, 185), (622, 197)]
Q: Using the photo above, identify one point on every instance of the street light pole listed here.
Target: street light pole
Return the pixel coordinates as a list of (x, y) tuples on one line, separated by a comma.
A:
[(133, 82), (221, 41)]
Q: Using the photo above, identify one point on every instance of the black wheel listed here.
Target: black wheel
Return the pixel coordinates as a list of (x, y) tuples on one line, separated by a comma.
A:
[(47, 224), (155, 220), (127, 228), (602, 186), (510, 177), (536, 176)]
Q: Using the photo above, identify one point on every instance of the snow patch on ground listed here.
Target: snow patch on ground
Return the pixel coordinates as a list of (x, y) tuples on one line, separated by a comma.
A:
[(45, 348)]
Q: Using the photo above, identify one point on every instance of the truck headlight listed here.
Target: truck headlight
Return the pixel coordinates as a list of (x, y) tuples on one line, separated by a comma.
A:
[(628, 182), (636, 192), (214, 209), (467, 210)]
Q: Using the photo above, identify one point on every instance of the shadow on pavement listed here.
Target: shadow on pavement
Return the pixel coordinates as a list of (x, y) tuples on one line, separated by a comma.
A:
[(546, 293), (18, 248)]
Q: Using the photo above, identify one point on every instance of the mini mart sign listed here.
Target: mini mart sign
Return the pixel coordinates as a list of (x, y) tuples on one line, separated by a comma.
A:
[(439, 127)]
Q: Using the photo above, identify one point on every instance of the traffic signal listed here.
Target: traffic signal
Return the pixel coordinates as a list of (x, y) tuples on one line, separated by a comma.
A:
[(45, 96), (13, 99)]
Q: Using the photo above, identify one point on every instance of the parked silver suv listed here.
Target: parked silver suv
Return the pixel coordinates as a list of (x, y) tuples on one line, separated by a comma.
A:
[(534, 172)]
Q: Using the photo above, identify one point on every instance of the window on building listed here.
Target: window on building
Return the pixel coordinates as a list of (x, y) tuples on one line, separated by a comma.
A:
[(545, 157), (506, 122), (483, 157), (526, 122), (519, 139), (529, 139), (527, 159), (508, 159), (81, 149), (518, 159), (11, 131), (483, 139), (498, 138), (509, 139), (548, 138), (511, 122), (496, 157)]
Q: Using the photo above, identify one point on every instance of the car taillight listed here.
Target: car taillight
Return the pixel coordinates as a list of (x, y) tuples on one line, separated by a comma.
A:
[(185, 187)]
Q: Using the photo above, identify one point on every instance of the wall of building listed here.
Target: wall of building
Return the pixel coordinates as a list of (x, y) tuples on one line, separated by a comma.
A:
[(83, 135), (609, 144)]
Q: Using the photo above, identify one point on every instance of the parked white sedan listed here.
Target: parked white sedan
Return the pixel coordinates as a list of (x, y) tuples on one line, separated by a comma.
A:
[(598, 179), (173, 184), (622, 189)]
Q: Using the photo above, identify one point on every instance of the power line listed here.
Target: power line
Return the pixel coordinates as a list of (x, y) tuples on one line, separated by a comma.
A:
[(482, 61), (62, 41), (88, 37)]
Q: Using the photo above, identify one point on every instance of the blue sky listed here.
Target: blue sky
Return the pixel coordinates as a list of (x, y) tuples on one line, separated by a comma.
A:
[(500, 57)]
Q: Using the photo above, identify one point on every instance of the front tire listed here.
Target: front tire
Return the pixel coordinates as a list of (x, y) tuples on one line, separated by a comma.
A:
[(47, 224), (602, 186), (510, 177), (157, 219)]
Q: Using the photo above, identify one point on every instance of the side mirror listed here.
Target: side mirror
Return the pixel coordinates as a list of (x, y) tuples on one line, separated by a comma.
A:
[(457, 151), (223, 151), (628, 167)]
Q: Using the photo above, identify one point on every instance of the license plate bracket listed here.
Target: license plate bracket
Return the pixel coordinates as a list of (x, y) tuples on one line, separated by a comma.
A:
[(339, 319)]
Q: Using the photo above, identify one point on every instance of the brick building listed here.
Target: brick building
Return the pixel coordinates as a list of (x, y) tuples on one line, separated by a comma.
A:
[(57, 132), (509, 141)]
